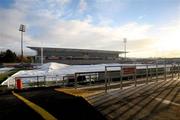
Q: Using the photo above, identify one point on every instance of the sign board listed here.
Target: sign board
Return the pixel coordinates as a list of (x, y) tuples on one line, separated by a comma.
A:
[(128, 70)]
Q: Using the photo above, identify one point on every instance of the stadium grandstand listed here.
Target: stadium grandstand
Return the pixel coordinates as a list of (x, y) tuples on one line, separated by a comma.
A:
[(76, 56)]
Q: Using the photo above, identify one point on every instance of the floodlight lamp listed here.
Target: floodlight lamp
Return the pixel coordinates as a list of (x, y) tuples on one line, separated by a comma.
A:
[(22, 28)]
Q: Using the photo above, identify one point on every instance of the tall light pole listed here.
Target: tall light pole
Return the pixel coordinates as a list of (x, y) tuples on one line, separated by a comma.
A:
[(42, 55), (125, 41), (22, 29)]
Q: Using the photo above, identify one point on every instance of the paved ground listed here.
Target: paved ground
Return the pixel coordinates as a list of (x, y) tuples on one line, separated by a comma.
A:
[(62, 106), (12, 108), (157, 101)]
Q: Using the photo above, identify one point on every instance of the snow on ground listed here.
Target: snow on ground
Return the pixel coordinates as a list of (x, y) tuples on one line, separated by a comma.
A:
[(52, 66), (45, 70), (5, 69), (57, 71)]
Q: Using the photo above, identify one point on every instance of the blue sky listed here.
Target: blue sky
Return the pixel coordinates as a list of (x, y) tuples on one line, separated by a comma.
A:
[(6, 3), (93, 24), (119, 11)]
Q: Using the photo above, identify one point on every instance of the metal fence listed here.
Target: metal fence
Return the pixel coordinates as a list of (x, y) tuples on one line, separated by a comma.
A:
[(111, 77), (140, 74), (39, 81)]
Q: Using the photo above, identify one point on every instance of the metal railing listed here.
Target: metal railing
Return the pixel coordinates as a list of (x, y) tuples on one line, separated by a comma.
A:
[(111, 77), (39, 81), (142, 74)]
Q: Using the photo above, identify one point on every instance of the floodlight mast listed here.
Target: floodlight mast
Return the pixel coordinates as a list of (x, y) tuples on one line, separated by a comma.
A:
[(125, 41), (22, 29), (42, 55)]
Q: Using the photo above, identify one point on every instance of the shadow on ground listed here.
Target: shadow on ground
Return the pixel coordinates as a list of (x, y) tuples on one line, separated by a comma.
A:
[(60, 105), (160, 101)]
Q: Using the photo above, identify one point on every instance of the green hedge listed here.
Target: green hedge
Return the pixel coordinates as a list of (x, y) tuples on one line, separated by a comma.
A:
[(4, 76)]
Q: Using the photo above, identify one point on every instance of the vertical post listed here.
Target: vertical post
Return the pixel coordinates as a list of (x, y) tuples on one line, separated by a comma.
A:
[(96, 78), (38, 81), (21, 46), (150, 72), (63, 81), (175, 70), (8, 83), (109, 79), (90, 79), (165, 73), (56, 79), (121, 76), (147, 74), (42, 56), (172, 70), (135, 80), (125, 41), (22, 29), (156, 72), (15, 83), (75, 77), (178, 70), (106, 79), (44, 80)]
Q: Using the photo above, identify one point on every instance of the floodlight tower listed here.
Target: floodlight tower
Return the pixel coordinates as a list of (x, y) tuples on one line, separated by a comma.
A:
[(41, 55), (125, 41), (22, 29)]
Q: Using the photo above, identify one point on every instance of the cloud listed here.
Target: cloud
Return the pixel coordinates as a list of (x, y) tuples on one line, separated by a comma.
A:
[(45, 27), (9, 22), (169, 36)]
